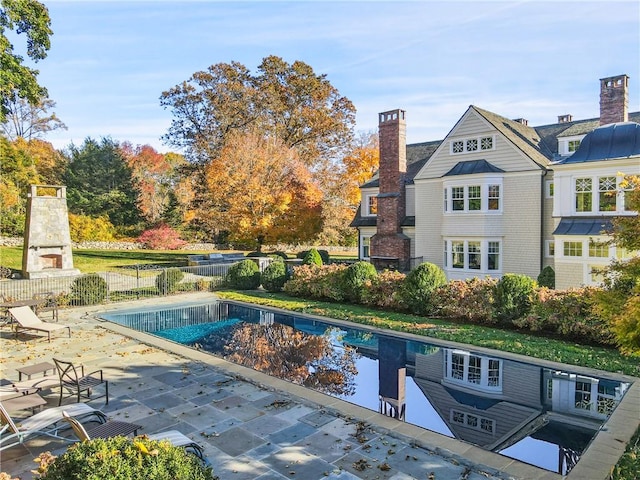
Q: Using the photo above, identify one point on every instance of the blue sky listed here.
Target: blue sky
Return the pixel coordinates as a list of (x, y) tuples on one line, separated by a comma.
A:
[(110, 61)]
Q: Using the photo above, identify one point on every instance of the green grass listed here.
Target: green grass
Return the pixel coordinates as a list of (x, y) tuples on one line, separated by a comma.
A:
[(600, 358)]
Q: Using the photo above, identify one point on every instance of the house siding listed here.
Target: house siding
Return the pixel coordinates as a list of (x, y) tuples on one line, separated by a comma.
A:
[(568, 274)]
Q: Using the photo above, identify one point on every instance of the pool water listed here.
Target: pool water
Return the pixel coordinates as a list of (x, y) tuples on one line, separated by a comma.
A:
[(542, 416)]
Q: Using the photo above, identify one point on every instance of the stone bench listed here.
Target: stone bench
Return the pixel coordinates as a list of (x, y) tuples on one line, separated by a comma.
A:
[(214, 258)]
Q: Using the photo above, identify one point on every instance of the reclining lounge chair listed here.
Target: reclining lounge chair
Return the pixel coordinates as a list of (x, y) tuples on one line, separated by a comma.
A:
[(26, 319), (47, 422), (174, 437)]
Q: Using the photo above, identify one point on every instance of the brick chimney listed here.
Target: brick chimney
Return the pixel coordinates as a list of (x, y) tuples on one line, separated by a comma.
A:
[(390, 248), (614, 99)]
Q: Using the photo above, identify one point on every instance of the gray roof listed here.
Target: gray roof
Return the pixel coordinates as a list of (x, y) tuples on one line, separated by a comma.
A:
[(472, 166), (583, 226), (616, 140)]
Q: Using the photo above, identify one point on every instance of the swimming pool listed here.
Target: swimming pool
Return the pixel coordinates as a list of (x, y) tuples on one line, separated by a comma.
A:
[(539, 415)]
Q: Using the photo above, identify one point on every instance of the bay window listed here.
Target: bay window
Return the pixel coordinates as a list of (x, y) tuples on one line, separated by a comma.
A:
[(481, 197), (473, 255), (475, 371)]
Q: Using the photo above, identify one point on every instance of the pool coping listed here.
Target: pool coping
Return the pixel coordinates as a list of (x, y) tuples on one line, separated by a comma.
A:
[(596, 462)]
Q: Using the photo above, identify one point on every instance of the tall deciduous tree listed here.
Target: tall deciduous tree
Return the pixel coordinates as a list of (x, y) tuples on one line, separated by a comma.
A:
[(29, 121), (289, 102), (155, 176), (99, 182), (16, 79), (258, 190)]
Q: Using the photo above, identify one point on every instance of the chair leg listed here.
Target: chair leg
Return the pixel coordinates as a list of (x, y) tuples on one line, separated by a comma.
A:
[(106, 392), (61, 392)]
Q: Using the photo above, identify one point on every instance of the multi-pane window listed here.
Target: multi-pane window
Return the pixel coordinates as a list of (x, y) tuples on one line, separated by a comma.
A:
[(472, 144), (551, 248), (481, 372), (626, 192), (606, 399), (457, 366), (474, 255), (583, 395), (607, 194), (583, 194), (494, 197), (472, 198), (457, 254), (598, 250), (493, 256), (475, 370), (457, 198), (572, 249), (366, 246), (372, 205), (475, 202), (470, 420), (573, 145)]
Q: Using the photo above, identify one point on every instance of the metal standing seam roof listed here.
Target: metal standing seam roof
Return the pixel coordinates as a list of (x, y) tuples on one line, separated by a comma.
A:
[(469, 167), (616, 140), (583, 226)]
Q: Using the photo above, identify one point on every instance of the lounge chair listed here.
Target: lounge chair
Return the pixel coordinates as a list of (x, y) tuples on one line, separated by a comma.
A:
[(48, 422), (75, 383), (26, 319), (174, 437)]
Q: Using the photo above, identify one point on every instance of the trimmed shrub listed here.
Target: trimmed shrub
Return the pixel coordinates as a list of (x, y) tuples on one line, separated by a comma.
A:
[(569, 314), (382, 291), (162, 237), (324, 255), (354, 279), (168, 280), (419, 286), (514, 296), (120, 458), (282, 255), (274, 276), (547, 277), (468, 300), (89, 289), (313, 281), (312, 258), (244, 275)]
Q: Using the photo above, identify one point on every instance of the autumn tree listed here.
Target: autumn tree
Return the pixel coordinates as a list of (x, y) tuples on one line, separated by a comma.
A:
[(288, 101), (99, 182), (155, 176), (18, 169), (258, 190), (619, 302), (49, 162), (30, 121), (31, 18), (360, 164)]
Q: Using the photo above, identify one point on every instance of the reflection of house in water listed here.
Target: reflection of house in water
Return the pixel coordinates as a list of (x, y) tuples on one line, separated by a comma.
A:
[(495, 403)]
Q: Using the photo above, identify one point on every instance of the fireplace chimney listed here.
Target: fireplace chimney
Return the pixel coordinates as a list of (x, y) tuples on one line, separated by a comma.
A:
[(390, 248), (614, 99)]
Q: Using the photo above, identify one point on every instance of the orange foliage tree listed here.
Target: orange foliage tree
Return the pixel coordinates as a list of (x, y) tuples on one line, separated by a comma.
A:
[(259, 191), (154, 176)]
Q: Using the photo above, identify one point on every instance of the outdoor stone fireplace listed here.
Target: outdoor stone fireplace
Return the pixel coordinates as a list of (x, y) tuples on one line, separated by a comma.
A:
[(47, 240)]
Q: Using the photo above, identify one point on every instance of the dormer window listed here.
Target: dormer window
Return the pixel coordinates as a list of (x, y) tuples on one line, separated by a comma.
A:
[(372, 205), (572, 145), (569, 145)]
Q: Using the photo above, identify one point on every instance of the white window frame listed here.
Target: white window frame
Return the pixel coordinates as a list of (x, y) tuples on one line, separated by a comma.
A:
[(548, 189), (469, 142), (365, 243), (549, 248), (485, 184), (485, 243), (563, 144), (595, 195), (367, 204), (472, 381), (465, 417)]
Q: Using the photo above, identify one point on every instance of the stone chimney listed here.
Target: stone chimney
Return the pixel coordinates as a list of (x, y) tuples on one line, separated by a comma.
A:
[(614, 99), (390, 248)]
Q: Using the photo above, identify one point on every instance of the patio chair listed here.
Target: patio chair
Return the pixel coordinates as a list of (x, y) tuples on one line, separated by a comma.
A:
[(174, 437), (26, 319), (75, 383), (48, 422), (48, 304)]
